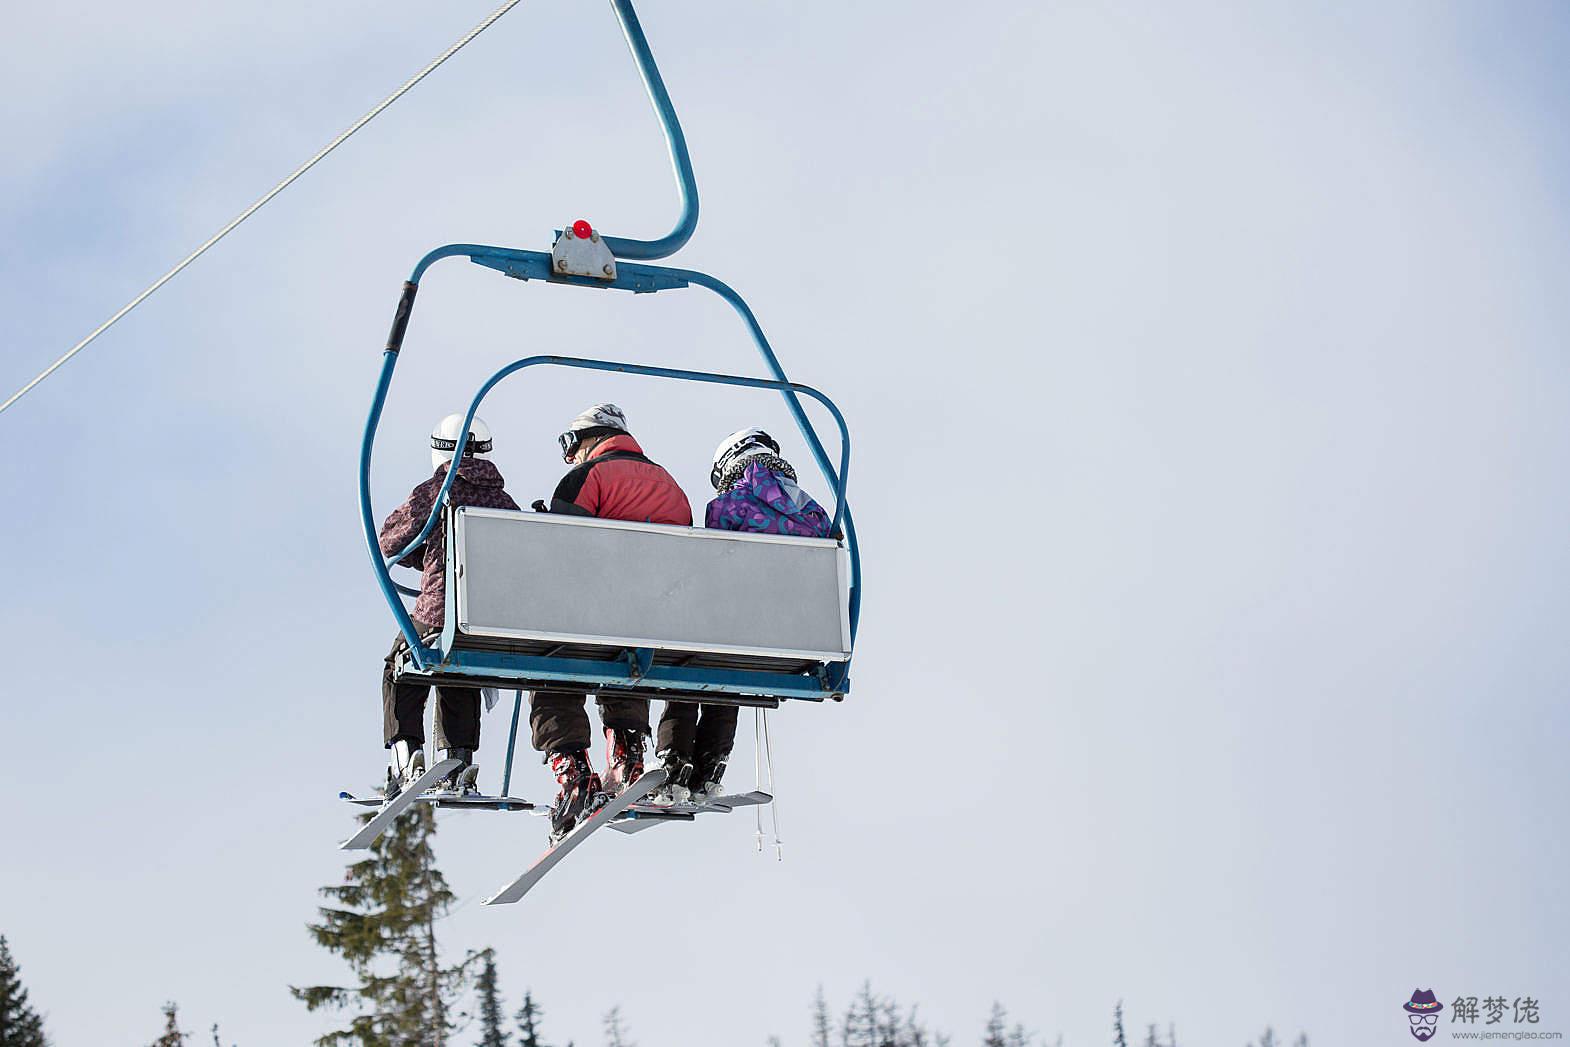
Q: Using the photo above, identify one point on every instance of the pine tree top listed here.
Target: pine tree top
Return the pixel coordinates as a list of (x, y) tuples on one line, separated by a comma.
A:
[(20, 1025)]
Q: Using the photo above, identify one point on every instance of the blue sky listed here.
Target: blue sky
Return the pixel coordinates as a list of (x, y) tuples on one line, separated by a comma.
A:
[(1207, 371)]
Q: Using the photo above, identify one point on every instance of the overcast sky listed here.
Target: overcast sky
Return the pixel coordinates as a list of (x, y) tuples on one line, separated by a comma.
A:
[(1207, 370)]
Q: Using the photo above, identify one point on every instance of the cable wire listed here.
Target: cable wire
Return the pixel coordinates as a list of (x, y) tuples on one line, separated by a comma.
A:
[(274, 191)]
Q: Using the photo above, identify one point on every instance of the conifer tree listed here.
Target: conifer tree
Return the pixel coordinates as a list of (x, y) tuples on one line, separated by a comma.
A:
[(1119, 1038), (383, 924), (860, 1025), (820, 1020), (996, 1023), (615, 1035), (491, 1032), (528, 1019), (20, 1025), (172, 1036)]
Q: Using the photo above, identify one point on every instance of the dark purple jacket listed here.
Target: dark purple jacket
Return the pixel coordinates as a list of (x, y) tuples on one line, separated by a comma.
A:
[(479, 483)]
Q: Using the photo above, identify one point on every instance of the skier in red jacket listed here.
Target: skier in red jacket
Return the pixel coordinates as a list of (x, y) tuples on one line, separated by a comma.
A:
[(611, 479)]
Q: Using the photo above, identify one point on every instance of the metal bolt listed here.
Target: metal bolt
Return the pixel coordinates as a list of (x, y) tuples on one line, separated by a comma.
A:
[(610, 270), (594, 238), (561, 263), (569, 235)]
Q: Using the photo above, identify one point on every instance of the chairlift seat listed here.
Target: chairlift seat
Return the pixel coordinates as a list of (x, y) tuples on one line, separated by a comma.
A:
[(543, 600)]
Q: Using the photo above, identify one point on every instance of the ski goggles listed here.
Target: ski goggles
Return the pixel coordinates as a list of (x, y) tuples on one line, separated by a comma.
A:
[(573, 439), (472, 447)]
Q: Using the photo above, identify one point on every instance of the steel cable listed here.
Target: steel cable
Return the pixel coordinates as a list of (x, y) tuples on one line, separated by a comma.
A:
[(274, 191)]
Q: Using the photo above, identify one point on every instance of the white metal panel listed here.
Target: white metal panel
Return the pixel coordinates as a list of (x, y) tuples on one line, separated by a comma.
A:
[(582, 580)]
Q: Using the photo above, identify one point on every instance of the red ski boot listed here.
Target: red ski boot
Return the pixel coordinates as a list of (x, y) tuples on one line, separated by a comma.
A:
[(581, 793), (623, 759)]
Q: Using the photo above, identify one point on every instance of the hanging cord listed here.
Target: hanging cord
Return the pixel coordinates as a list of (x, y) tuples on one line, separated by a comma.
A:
[(274, 191), (757, 772), (774, 805)]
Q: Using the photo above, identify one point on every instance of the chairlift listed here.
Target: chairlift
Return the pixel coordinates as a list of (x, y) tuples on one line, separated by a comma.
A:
[(538, 601)]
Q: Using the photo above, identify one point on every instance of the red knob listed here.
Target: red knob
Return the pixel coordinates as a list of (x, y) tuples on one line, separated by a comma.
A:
[(582, 230)]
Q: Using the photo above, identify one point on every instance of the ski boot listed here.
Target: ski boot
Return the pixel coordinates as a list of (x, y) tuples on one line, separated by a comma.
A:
[(707, 775), (581, 793), (406, 767), (465, 780), (623, 759), (677, 773)]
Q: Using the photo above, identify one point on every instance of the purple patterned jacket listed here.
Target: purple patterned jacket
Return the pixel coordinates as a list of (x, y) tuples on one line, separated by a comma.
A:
[(767, 502), (479, 483)]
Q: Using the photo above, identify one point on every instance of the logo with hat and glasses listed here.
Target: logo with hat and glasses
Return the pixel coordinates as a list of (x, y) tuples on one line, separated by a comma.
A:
[(1422, 1013)]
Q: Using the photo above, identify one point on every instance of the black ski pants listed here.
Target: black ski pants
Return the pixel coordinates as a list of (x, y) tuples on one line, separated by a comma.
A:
[(559, 720), (403, 709), (700, 734)]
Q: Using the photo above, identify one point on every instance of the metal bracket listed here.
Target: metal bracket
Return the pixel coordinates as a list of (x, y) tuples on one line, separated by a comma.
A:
[(835, 678), (579, 251), (639, 661)]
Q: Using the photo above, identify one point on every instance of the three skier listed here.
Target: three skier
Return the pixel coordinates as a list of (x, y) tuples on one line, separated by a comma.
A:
[(611, 478)]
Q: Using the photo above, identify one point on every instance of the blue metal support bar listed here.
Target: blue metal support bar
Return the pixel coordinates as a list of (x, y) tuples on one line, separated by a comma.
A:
[(512, 742), (675, 141), (607, 677)]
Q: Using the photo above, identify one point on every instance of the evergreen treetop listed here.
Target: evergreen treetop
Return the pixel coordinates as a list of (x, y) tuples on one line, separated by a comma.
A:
[(491, 1032), (528, 1019), (383, 924), (615, 1035), (20, 1025), (172, 1036)]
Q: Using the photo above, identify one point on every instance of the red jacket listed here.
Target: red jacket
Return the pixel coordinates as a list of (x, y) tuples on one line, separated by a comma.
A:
[(619, 483)]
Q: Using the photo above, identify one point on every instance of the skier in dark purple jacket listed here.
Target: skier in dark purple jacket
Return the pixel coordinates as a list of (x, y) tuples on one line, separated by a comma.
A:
[(403, 704), (755, 490)]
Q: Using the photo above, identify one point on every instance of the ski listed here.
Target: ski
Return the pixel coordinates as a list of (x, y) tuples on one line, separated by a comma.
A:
[(727, 803), (643, 816), (515, 890), (453, 801), (397, 805)]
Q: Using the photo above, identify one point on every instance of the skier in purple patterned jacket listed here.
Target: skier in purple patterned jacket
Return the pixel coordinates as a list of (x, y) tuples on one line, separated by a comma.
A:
[(755, 491), (478, 483)]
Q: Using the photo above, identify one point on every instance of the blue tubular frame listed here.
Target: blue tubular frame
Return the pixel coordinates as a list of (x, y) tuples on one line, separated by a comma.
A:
[(675, 141), (642, 279)]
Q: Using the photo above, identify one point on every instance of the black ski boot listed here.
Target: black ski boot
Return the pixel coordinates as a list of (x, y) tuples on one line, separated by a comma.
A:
[(581, 793), (707, 773), (677, 773), (465, 780)]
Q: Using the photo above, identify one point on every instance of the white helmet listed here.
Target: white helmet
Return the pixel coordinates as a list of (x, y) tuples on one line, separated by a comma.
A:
[(599, 420), (444, 440), (740, 445)]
